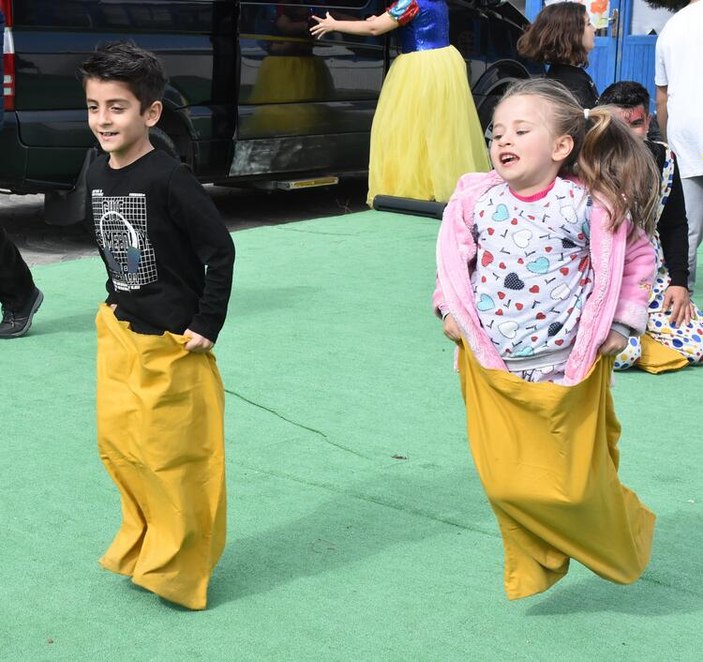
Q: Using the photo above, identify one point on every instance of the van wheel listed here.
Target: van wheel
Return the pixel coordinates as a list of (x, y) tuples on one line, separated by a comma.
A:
[(70, 207), (161, 140), (485, 114)]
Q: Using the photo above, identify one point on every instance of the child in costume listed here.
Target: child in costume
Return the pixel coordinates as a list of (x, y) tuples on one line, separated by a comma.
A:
[(674, 336), (562, 36), (160, 399), (425, 132), (541, 278)]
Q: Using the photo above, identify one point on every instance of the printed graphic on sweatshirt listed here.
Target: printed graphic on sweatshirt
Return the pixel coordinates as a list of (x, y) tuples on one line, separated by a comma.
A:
[(121, 232)]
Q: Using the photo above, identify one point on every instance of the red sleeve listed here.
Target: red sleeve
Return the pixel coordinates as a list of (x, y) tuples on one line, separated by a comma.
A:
[(404, 11)]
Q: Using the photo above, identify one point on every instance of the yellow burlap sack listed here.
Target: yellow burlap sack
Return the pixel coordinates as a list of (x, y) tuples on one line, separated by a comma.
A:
[(547, 457), (656, 358), (160, 436)]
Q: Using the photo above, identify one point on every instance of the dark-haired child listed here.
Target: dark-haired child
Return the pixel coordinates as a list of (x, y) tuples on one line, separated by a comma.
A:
[(674, 336), (160, 400)]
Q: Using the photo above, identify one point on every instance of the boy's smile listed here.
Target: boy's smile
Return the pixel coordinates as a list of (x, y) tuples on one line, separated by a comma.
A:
[(115, 117)]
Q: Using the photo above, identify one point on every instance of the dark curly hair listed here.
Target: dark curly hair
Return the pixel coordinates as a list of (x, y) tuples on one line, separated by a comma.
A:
[(124, 61), (556, 36), (625, 94)]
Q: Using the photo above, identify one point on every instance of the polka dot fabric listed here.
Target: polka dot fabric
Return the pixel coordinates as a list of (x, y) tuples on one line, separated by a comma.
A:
[(686, 340)]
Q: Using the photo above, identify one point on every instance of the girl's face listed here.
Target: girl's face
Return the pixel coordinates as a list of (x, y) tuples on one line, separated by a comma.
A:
[(524, 151), (589, 35)]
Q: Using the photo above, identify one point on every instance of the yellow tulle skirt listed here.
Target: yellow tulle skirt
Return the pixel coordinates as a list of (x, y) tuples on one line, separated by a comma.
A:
[(426, 132), (160, 412), (284, 92), (548, 460), (291, 78)]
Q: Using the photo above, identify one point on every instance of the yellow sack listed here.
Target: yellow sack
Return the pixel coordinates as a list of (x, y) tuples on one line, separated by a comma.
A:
[(656, 358), (547, 457), (160, 415)]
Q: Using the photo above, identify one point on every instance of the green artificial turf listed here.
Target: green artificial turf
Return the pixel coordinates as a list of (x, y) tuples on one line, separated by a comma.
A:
[(358, 529)]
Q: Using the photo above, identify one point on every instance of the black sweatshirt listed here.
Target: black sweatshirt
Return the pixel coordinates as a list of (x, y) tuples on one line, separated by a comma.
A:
[(673, 223), (169, 256)]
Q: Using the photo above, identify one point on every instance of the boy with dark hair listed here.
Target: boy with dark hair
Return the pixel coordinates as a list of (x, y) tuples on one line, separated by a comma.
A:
[(673, 338), (19, 297), (160, 400)]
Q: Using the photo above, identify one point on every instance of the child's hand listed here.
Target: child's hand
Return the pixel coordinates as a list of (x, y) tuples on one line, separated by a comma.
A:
[(677, 300), (451, 329), (197, 343), (613, 345)]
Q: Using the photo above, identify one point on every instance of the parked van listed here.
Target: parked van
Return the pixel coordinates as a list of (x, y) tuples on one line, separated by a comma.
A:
[(252, 99)]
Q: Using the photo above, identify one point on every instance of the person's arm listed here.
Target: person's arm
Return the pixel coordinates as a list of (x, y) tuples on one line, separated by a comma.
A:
[(192, 209), (90, 218), (455, 216), (373, 26), (673, 231), (451, 329), (630, 318), (661, 98), (110, 299), (449, 325), (615, 342), (673, 234), (637, 279)]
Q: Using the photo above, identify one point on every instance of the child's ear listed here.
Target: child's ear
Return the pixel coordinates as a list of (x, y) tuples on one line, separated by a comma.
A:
[(563, 146), (153, 113)]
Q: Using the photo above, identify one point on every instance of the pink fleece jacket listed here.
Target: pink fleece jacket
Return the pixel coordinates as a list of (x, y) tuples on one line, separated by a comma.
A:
[(623, 267)]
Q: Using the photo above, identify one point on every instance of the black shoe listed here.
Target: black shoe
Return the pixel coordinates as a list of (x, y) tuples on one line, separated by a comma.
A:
[(16, 323)]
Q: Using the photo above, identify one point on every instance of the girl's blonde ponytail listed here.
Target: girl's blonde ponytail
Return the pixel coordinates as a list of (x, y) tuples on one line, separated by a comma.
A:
[(615, 166), (618, 169)]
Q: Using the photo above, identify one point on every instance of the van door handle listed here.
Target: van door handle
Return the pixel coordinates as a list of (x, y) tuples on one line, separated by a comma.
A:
[(614, 20)]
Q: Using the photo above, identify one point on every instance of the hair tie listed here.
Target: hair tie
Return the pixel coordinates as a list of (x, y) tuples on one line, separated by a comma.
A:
[(586, 113)]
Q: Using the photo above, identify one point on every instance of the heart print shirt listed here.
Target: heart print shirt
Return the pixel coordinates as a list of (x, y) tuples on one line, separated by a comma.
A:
[(533, 270)]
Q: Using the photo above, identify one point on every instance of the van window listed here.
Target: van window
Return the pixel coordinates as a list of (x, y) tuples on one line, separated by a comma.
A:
[(118, 15), (478, 39), (327, 4)]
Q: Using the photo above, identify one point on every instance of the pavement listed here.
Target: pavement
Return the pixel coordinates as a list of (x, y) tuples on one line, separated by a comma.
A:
[(23, 218), (39, 243)]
